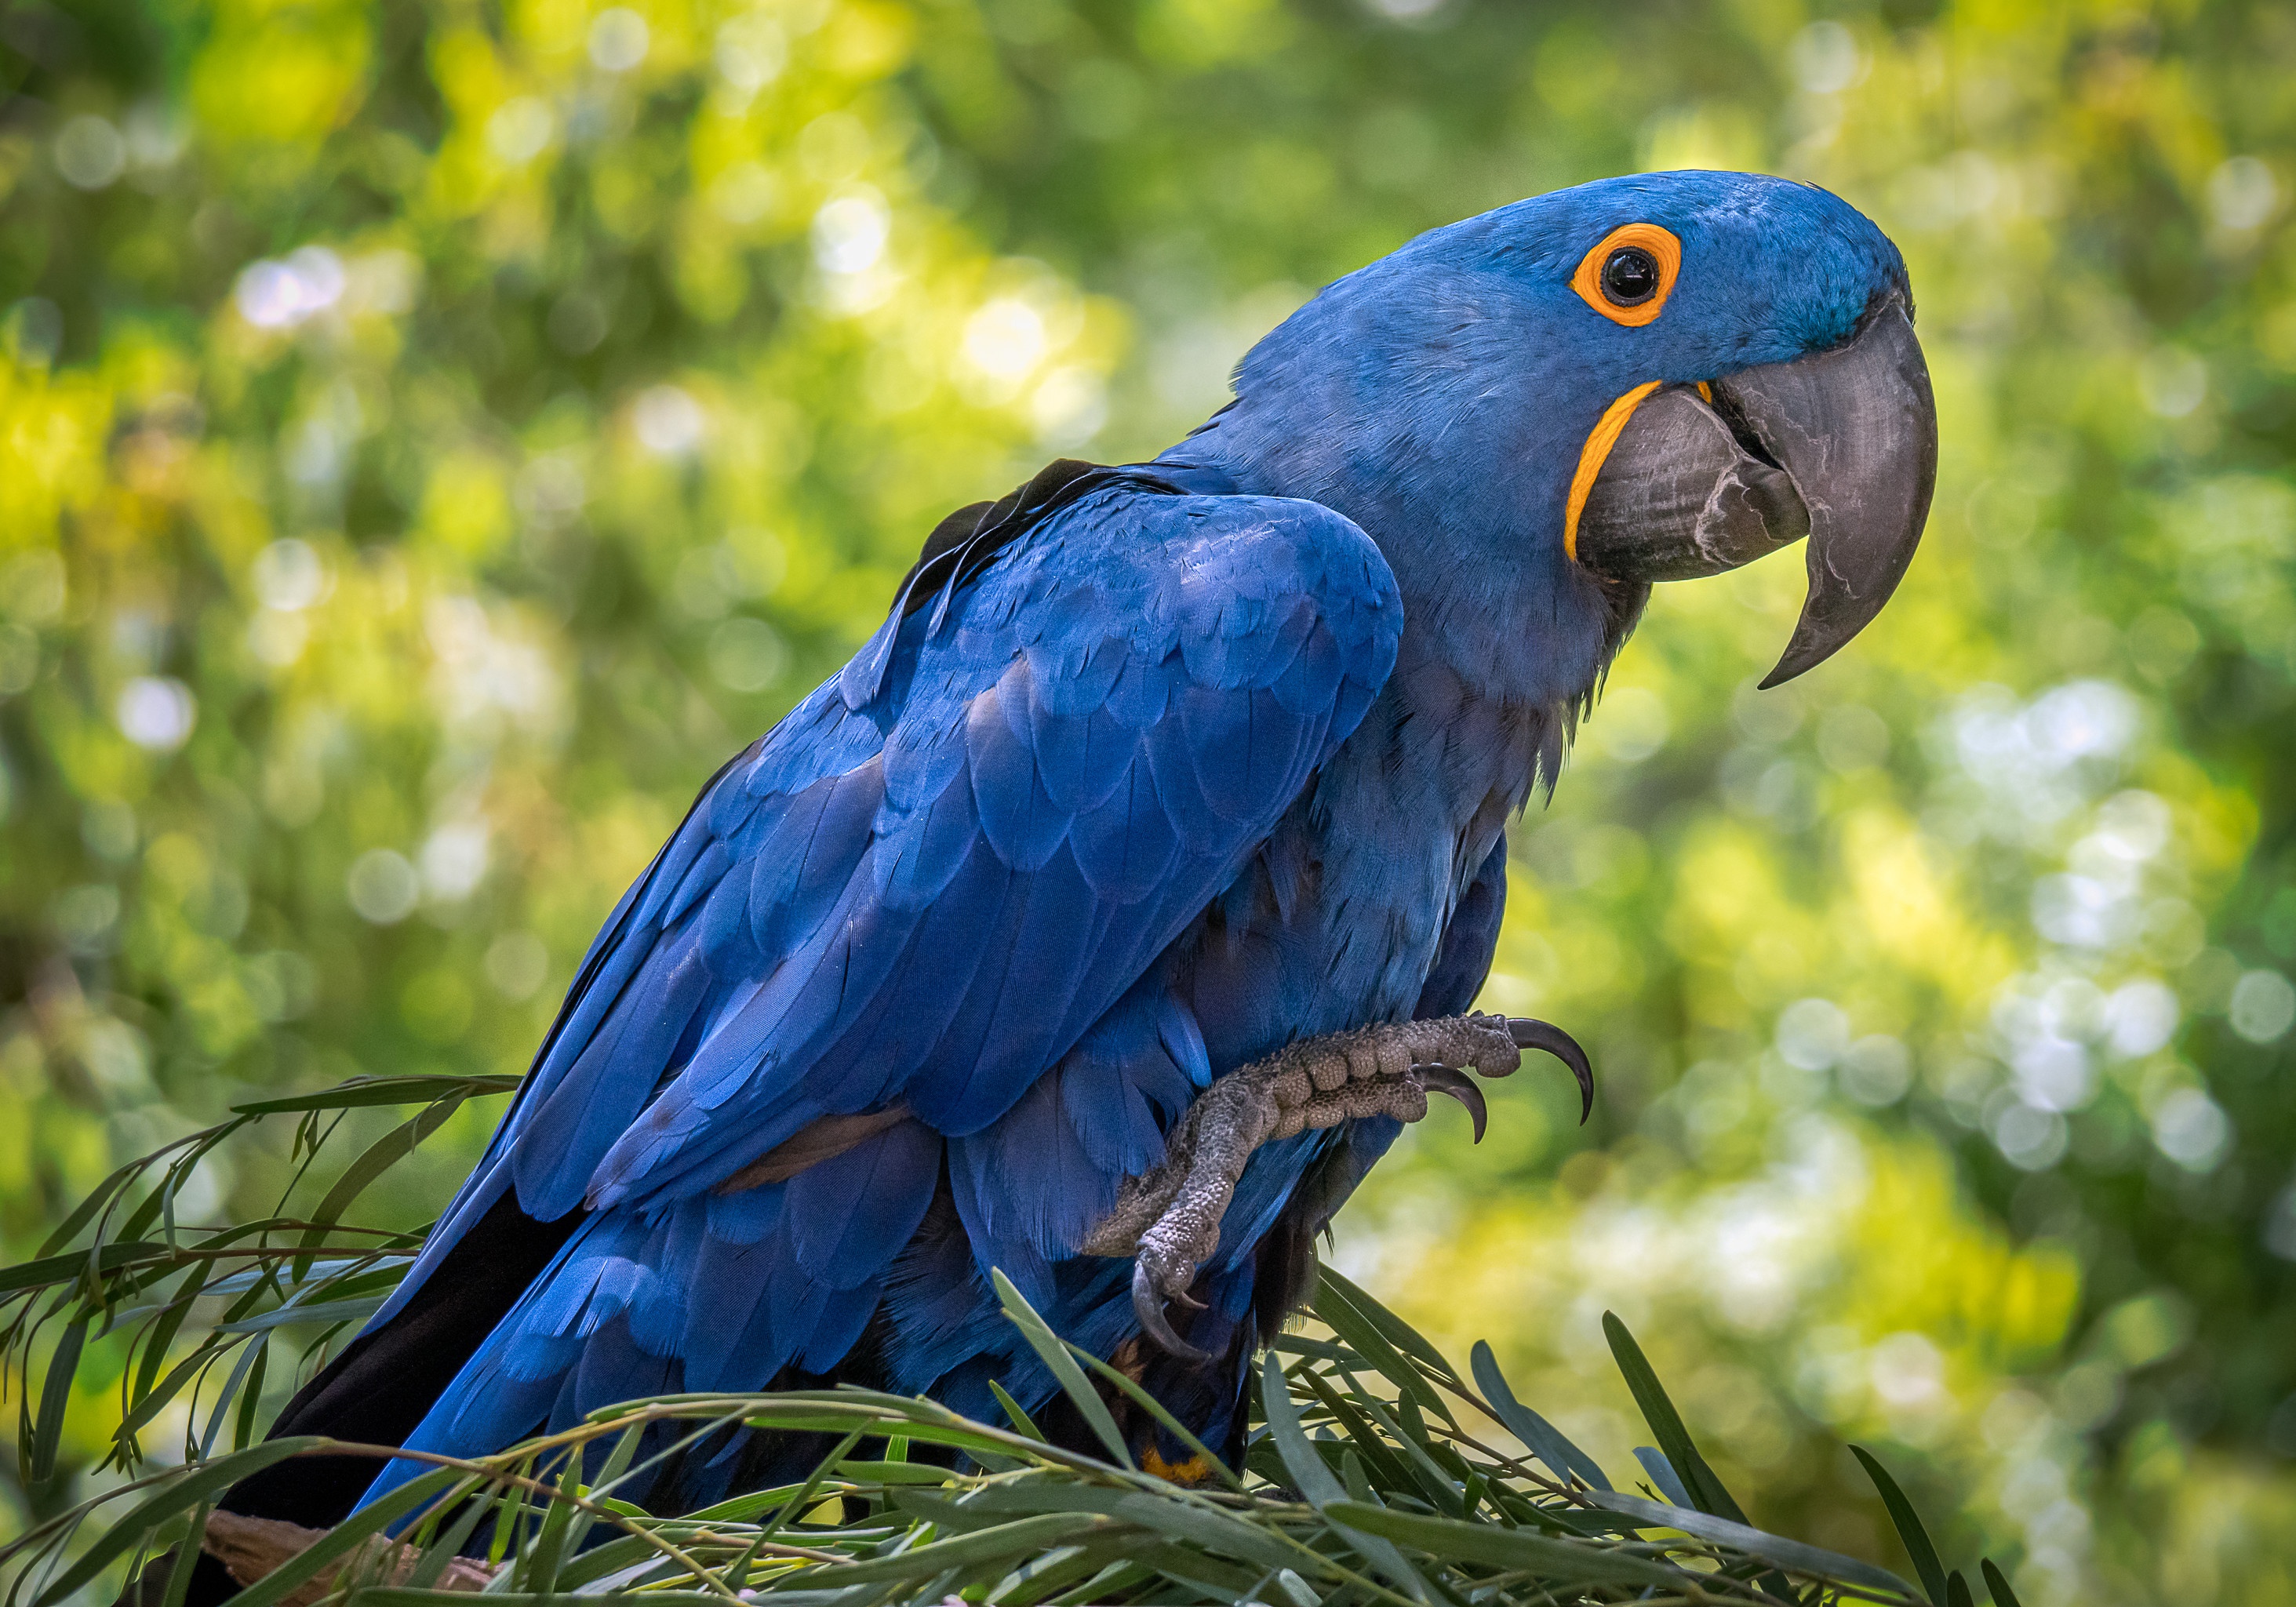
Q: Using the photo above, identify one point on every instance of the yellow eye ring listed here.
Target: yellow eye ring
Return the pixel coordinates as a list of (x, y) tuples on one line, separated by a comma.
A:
[(1657, 246)]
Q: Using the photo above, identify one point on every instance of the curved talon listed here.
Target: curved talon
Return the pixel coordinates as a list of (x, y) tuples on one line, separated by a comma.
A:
[(1459, 1086), (1531, 1034), (1150, 1310)]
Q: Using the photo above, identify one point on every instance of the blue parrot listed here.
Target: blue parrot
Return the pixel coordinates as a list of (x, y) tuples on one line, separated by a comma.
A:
[(1105, 919)]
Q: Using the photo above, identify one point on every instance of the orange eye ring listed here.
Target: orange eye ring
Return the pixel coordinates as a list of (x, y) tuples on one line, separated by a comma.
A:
[(1662, 249)]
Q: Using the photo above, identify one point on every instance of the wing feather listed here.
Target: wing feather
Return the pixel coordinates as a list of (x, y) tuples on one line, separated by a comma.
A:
[(952, 894)]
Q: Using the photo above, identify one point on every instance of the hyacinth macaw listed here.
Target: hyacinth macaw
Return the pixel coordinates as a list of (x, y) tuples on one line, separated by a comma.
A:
[(1106, 916)]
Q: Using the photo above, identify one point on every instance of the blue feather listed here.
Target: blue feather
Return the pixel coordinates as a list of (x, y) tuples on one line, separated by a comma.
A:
[(1122, 795)]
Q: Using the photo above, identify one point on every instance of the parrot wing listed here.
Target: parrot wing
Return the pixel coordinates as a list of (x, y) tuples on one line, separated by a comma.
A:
[(926, 883)]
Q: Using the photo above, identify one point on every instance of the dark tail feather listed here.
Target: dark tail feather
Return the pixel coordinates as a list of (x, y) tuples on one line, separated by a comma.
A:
[(377, 1390), (383, 1383)]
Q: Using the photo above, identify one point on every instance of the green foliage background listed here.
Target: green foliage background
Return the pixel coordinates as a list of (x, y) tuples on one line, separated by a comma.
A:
[(433, 435)]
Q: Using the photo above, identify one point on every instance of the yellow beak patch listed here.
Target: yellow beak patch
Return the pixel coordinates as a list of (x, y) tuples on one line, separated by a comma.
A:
[(1597, 452)]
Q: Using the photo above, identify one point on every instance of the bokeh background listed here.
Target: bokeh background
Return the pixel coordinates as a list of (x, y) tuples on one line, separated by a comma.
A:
[(433, 435)]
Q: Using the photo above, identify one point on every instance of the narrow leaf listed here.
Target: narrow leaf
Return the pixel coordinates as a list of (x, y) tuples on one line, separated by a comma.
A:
[(1018, 1418), (400, 1596), (364, 1091), (1315, 1481), (1333, 1307), (69, 1267), (320, 1311), (283, 1580), (1544, 1439), (86, 1209), (186, 1558), (1024, 1539), (199, 1486), (1155, 1408), (1997, 1585), (1047, 1345), (1704, 1488), (1917, 1538), (379, 1158), (1790, 1554), (55, 1394), (1309, 1475), (1662, 1474), (449, 1544), (1556, 1563)]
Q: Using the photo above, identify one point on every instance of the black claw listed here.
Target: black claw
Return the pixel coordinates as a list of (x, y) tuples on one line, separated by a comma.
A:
[(1459, 1086), (1150, 1310), (1529, 1034)]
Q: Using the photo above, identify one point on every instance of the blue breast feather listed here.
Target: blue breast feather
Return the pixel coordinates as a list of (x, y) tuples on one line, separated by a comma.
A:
[(950, 893)]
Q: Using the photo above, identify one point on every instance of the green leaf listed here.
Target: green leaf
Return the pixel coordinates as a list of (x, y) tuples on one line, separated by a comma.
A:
[(102, 1195), (541, 1560), (1167, 1511), (1315, 1481), (363, 1091), (798, 1504), (379, 1158), (1956, 1591), (55, 1394), (1662, 1474), (253, 1348), (1024, 1539), (1790, 1554), (401, 1595), (162, 1334), (1431, 1480), (1192, 1569), (894, 1473), (1704, 1488), (1917, 1538), (1056, 1356), (340, 1541), (444, 1550), (1397, 1333), (197, 1487), (1356, 1429), (186, 1558), (251, 1396), (1334, 1309), (68, 1267), (618, 1462), (1020, 1419), (1155, 1408), (1309, 1476), (1557, 1564), (1997, 1585), (1546, 1441), (960, 1520), (322, 1311)]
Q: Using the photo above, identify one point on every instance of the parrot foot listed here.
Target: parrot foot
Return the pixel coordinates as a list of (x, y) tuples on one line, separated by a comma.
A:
[(1168, 1217)]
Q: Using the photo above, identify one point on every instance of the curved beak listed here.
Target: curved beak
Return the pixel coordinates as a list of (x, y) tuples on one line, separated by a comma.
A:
[(1839, 446)]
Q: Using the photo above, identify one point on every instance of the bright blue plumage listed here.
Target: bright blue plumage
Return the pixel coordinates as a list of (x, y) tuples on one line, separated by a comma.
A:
[(1150, 784), (928, 897)]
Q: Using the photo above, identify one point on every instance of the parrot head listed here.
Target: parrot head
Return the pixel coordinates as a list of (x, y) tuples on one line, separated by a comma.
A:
[(1539, 412)]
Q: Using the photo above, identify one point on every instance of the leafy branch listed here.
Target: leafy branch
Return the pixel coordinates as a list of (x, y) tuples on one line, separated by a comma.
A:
[(1375, 1470)]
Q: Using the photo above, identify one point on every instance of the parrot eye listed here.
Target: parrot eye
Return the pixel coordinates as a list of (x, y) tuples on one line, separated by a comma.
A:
[(1630, 272), (1630, 277)]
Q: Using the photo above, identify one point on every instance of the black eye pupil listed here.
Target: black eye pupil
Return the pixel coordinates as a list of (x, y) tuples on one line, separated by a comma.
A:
[(1630, 277)]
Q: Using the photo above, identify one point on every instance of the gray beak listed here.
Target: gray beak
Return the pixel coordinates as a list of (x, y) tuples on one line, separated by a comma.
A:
[(1839, 446)]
